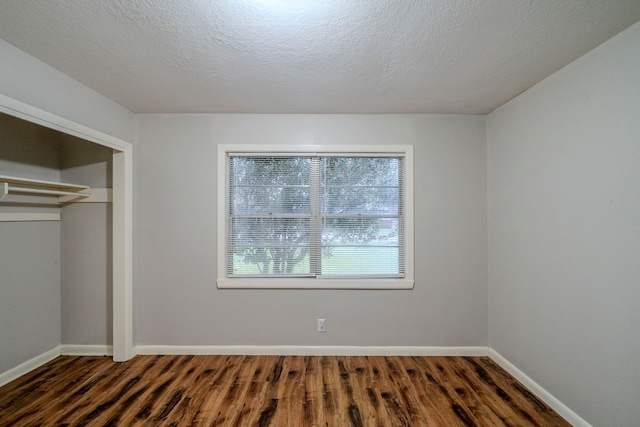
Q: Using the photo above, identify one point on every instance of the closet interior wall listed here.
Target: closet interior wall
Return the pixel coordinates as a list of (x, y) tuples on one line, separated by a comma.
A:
[(55, 275), (86, 247)]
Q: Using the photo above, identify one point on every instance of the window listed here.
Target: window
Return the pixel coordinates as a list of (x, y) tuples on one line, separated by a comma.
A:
[(316, 217)]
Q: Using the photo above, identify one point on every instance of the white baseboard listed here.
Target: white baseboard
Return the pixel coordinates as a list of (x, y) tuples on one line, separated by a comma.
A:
[(86, 350), (28, 366), (563, 410), (285, 350)]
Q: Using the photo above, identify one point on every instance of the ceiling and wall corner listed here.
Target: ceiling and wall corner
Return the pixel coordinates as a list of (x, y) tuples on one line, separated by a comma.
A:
[(281, 56)]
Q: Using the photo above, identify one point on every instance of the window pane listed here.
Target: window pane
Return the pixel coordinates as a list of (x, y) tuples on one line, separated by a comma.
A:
[(268, 200), (359, 260), (352, 246), (270, 171), (360, 207), (270, 185), (360, 231), (339, 200), (362, 171), (270, 245)]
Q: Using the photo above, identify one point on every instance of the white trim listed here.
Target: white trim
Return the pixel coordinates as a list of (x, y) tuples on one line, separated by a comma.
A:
[(286, 350), (28, 366), (323, 149), (563, 410), (19, 217), (122, 207), (224, 282), (86, 350), (221, 210), (410, 227), (301, 283), (32, 114), (122, 213)]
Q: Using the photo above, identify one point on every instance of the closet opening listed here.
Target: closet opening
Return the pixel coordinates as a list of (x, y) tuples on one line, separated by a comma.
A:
[(65, 237)]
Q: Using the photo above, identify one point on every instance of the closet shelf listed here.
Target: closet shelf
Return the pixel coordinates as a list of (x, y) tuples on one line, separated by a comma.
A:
[(12, 184)]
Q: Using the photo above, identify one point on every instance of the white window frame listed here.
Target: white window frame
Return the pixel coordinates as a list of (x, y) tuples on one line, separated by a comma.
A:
[(224, 282)]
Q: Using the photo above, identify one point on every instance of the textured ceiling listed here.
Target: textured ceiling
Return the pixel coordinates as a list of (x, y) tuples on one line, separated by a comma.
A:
[(314, 56)]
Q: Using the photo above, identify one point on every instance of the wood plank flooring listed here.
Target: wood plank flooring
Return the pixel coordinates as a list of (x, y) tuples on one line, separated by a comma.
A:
[(271, 391)]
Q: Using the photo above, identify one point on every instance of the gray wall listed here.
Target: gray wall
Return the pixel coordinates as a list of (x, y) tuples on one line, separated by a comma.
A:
[(86, 247), (176, 300), (29, 251), (564, 233)]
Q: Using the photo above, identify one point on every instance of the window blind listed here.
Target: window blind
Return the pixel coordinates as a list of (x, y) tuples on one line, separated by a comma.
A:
[(331, 216)]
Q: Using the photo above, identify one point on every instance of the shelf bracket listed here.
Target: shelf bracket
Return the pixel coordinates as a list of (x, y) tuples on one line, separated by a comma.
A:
[(98, 195), (4, 190)]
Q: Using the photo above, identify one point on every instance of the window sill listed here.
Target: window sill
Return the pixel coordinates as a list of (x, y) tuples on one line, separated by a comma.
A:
[(262, 283)]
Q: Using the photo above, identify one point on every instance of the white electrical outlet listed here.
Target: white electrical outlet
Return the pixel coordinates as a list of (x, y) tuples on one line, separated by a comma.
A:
[(322, 325)]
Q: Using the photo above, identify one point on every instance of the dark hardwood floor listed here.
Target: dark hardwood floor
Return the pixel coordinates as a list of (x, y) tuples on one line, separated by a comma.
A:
[(271, 391)]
